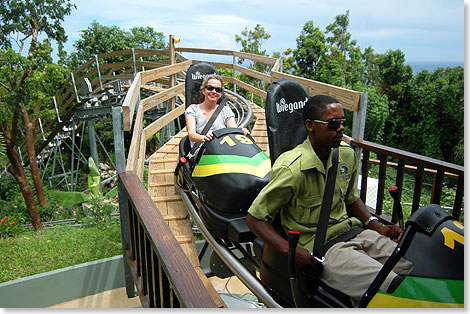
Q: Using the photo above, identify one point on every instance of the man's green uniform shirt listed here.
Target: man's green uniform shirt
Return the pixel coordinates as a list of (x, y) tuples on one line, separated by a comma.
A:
[(296, 188)]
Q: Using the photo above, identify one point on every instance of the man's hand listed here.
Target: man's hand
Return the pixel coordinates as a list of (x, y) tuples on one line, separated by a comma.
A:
[(359, 210), (392, 231), (307, 263), (304, 261)]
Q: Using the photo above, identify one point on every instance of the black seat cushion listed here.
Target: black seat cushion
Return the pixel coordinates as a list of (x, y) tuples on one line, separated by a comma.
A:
[(227, 226)]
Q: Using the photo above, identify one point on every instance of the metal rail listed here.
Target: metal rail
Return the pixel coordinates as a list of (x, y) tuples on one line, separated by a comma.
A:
[(250, 281)]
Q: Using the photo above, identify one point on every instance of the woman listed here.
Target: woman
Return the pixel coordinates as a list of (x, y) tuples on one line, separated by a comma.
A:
[(197, 115)]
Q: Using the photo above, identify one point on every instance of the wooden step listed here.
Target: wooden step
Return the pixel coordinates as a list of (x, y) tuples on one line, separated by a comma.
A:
[(168, 198), (160, 184), (162, 171), (175, 217)]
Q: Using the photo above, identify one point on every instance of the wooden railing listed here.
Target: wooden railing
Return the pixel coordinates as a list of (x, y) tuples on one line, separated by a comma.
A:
[(163, 275), (406, 161)]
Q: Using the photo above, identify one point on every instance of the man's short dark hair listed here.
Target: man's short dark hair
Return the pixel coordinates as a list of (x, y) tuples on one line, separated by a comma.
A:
[(315, 105)]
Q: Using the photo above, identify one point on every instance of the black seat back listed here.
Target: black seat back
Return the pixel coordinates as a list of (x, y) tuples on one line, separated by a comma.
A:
[(284, 103), (195, 75)]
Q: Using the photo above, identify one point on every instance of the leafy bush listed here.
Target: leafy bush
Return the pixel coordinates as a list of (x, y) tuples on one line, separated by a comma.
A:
[(11, 226), (97, 211)]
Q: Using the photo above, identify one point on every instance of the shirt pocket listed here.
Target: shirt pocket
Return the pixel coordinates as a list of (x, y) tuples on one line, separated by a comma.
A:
[(307, 211)]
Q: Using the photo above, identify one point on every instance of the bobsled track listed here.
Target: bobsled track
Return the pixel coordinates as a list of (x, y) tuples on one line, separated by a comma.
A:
[(157, 225)]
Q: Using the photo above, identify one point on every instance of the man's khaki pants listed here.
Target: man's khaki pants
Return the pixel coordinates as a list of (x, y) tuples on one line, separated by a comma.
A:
[(351, 266)]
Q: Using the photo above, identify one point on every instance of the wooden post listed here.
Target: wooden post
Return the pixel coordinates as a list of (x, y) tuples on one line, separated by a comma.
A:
[(172, 77), (172, 84), (120, 161)]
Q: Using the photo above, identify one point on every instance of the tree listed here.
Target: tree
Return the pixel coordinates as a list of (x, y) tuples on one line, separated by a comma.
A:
[(19, 77), (2, 149), (371, 74), (97, 39), (251, 41), (377, 114), (344, 51), (433, 122), (394, 80), (147, 38), (289, 65), (311, 48)]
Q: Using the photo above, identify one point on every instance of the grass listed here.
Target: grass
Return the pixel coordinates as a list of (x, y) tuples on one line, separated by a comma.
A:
[(33, 252)]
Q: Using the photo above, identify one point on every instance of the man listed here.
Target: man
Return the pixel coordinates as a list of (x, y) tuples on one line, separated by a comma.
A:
[(296, 191)]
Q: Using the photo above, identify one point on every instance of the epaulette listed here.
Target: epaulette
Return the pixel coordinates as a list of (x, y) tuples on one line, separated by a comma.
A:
[(293, 156), (287, 158)]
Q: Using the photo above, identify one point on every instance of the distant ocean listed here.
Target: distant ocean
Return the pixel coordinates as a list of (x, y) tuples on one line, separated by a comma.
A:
[(432, 66)]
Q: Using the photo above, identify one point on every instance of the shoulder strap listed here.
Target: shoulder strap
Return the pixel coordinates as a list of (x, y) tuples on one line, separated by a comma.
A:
[(209, 123), (319, 244)]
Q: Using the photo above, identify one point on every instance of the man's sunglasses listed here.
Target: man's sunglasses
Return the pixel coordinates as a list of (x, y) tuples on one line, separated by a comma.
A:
[(211, 88), (333, 124)]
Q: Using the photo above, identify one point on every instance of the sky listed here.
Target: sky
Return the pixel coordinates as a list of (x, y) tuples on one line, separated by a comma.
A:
[(425, 30)]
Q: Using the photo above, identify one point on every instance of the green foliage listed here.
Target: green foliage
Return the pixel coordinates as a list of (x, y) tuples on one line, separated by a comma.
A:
[(98, 212), (146, 38), (345, 50), (70, 199), (30, 82), (394, 76), (371, 74), (12, 202), (251, 42), (98, 39), (10, 226), (19, 17), (96, 208), (331, 71), (436, 97), (377, 114), (2, 148), (42, 54), (11, 199), (311, 48), (335, 59)]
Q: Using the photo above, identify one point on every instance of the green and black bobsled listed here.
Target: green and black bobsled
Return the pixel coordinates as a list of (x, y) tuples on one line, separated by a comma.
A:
[(231, 171), (437, 252)]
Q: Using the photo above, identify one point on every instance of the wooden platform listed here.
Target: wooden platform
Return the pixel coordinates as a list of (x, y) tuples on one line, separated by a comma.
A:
[(162, 190)]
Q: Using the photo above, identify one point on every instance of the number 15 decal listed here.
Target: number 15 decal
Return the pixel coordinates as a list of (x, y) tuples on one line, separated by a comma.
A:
[(241, 138)]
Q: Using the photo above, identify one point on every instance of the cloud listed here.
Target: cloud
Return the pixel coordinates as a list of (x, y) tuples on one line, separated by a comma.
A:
[(384, 33), (222, 20), (214, 24)]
